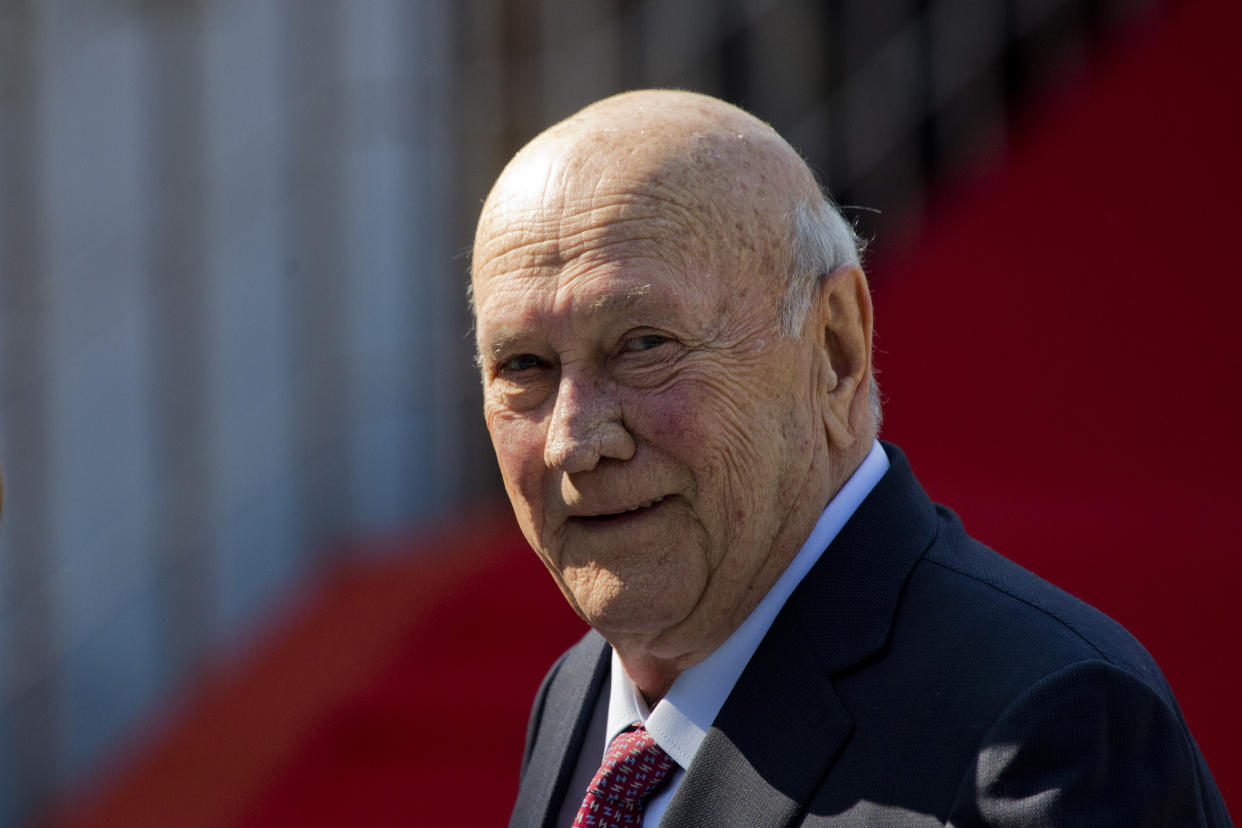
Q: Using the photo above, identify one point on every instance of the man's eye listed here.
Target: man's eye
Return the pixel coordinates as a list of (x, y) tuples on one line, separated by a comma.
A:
[(645, 342), (521, 362)]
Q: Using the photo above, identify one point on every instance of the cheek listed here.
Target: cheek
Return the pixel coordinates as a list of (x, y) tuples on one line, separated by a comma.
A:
[(519, 444), (734, 440), (708, 424), (669, 419), (700, 427)]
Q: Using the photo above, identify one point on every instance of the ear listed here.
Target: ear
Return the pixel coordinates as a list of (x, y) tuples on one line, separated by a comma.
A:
[(844, 320)]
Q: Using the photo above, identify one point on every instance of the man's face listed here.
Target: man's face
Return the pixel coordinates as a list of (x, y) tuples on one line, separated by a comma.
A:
[(651, 425)]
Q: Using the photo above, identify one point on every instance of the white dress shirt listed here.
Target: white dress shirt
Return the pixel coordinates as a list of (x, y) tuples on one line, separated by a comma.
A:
[(682, 717)]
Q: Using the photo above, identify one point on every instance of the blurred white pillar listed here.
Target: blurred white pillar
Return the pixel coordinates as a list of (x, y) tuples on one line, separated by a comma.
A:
[(406, 291), (100, 463), (253, 498)]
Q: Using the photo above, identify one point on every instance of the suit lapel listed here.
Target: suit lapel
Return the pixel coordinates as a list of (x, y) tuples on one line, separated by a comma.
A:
[(778, 733), (848, 600), (572, 695), (766, 753)]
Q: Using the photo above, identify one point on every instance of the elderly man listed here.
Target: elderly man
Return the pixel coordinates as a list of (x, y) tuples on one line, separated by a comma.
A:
[(675, 341)]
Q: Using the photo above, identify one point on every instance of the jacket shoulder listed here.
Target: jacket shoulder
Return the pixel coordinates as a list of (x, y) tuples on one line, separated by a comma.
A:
[(1034, 620), (580, 662), (559, 720)]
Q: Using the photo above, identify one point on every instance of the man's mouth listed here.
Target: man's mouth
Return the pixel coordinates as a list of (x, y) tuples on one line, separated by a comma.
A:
[(620, 515)]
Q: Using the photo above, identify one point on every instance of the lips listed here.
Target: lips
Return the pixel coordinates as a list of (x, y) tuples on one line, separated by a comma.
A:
[(612, 513), (645, 505)]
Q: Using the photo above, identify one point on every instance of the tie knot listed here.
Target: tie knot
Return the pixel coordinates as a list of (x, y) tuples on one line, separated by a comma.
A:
[(633, 768)]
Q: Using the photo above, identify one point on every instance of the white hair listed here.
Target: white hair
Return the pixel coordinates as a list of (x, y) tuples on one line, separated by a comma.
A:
[(820, 241)]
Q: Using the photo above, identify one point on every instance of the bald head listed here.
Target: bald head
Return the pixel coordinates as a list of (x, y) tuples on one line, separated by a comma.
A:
[(719, 181)]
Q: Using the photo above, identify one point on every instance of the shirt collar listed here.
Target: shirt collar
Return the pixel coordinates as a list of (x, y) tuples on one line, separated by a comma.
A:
[(680, 720)]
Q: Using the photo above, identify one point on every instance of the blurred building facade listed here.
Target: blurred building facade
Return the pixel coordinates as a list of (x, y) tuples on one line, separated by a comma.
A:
[(233, 249)]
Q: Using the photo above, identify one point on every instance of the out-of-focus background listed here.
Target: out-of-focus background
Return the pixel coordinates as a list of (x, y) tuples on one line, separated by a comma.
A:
[(254, 566)]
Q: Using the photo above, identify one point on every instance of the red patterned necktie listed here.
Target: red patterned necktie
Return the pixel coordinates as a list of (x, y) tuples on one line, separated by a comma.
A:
[(633, 768)]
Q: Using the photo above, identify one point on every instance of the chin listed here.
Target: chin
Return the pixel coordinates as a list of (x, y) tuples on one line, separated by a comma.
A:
[(631, 612)]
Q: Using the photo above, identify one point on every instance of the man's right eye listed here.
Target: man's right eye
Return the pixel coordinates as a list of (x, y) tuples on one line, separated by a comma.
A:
[(521, 362)]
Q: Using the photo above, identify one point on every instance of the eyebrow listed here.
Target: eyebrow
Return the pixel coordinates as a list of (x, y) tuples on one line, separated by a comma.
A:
[(618, 301), (498, 347), (600, 305)]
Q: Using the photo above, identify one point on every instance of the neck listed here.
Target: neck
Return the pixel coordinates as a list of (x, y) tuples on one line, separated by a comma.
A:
[(652, 676)]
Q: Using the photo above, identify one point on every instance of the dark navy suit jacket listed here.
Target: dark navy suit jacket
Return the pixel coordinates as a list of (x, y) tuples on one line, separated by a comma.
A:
[(914, 677)]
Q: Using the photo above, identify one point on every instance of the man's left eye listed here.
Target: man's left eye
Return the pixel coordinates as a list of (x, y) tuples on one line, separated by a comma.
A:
[(645, 342), (519, 363)]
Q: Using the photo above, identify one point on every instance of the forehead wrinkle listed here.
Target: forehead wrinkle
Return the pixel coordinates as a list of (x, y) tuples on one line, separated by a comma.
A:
[(520, 242), (628, 214), (606, 226)]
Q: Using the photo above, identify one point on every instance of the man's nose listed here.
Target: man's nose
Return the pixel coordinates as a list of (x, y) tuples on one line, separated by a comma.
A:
[(586, 426)]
